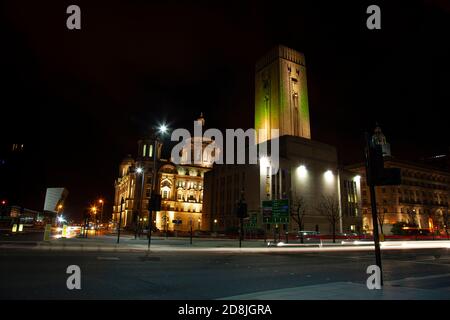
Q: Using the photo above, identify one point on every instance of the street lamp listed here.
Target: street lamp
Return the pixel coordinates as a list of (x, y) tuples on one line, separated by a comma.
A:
[(101, 210), (141, 171), (161, 131), (215, 225), (120, 219)]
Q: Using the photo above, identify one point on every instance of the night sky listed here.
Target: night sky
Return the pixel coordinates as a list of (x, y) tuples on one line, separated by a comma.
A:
[(79, 100)]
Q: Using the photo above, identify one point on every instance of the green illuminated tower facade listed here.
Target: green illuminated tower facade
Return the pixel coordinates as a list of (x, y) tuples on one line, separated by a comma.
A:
[(281, 95)]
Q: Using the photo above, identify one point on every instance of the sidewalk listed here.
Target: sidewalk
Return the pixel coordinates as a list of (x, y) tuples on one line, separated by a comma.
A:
[(345, 291)]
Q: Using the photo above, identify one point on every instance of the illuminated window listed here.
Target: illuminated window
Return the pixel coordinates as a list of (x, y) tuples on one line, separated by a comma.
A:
[(144, 150)]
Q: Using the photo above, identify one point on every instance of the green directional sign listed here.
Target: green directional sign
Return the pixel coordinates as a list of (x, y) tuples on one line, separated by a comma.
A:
[(276, 211)]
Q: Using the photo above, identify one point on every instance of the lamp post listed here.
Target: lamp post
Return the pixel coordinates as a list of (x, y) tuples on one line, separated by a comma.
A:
[(215, 226), (162, 129), (94, 211), (120, 220), (101, 211), (141, 171), (190, 221)]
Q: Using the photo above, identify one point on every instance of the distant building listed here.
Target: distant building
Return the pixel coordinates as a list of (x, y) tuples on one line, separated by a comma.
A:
[(54, 202), (422, 198)]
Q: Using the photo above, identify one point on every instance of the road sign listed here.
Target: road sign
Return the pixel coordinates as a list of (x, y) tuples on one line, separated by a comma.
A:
[(179, 221), (276, 211)]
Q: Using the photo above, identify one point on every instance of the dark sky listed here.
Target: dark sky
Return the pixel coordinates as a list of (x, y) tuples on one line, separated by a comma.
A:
[(79, 100)]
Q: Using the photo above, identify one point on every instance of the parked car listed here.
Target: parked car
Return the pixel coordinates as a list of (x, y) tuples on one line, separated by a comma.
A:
[(309, 236)]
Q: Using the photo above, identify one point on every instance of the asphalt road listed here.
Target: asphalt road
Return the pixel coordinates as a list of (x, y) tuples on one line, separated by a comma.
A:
[(33, 274)]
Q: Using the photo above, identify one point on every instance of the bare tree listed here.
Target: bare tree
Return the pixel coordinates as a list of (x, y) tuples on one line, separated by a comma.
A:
[(328, 207), (446, 220), (381, 215), (298, 213)]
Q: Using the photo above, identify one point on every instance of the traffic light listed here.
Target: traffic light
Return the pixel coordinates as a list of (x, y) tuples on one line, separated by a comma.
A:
[(377, 175), (155, 202), (242, 210)]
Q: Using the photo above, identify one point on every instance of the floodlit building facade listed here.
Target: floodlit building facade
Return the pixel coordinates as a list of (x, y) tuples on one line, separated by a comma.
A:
[(180, 186), (422, 197), (308, 173)]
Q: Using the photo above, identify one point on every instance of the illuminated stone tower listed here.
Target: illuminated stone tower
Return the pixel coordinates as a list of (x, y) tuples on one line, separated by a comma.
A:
[(281, 95)]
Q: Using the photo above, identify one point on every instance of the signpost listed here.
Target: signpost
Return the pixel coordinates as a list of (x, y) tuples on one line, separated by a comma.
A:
[(276, 211)]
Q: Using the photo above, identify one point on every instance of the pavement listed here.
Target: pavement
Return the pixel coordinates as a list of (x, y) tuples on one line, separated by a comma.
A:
[(345, 291)]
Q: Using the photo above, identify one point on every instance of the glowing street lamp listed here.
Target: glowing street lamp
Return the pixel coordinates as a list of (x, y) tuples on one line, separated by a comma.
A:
[(141, 171), (101, 210), (163, 128)]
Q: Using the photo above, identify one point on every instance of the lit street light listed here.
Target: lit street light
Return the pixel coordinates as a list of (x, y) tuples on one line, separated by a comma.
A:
[(141, 171), (101, 210), (161, 131), (94, 212)]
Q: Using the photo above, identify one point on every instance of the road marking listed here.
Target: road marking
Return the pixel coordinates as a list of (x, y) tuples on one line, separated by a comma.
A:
[(108, 258), (436, 276)]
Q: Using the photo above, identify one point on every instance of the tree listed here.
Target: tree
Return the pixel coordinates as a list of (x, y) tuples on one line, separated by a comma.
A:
[(446, 220), (328, 207), (381, 214), (298, 213)]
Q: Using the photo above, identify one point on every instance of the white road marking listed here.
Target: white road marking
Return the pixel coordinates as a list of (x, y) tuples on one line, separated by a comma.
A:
[(108, 258)]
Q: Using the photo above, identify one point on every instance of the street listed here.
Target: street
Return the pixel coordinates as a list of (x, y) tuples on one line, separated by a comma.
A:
[(165, 274)]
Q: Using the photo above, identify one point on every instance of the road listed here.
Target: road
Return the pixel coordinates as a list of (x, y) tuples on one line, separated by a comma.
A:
[(39, 274)]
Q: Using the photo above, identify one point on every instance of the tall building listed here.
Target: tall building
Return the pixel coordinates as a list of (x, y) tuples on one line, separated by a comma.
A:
[(180, 186), (281, 95), (422, 197), (308, 170)]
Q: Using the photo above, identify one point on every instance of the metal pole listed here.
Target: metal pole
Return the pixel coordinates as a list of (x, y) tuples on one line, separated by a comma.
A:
[(101, 215), (241, 224), (120, 221), (373, 203), (140, 204), (150, 226), (191, 231)]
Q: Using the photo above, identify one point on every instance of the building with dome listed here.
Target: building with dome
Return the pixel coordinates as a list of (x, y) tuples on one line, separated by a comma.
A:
[(180, 186), (421, 199)]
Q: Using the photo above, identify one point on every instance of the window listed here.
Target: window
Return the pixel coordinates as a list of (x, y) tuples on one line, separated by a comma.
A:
[(165, 194), (150, 151), (144, 150)]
